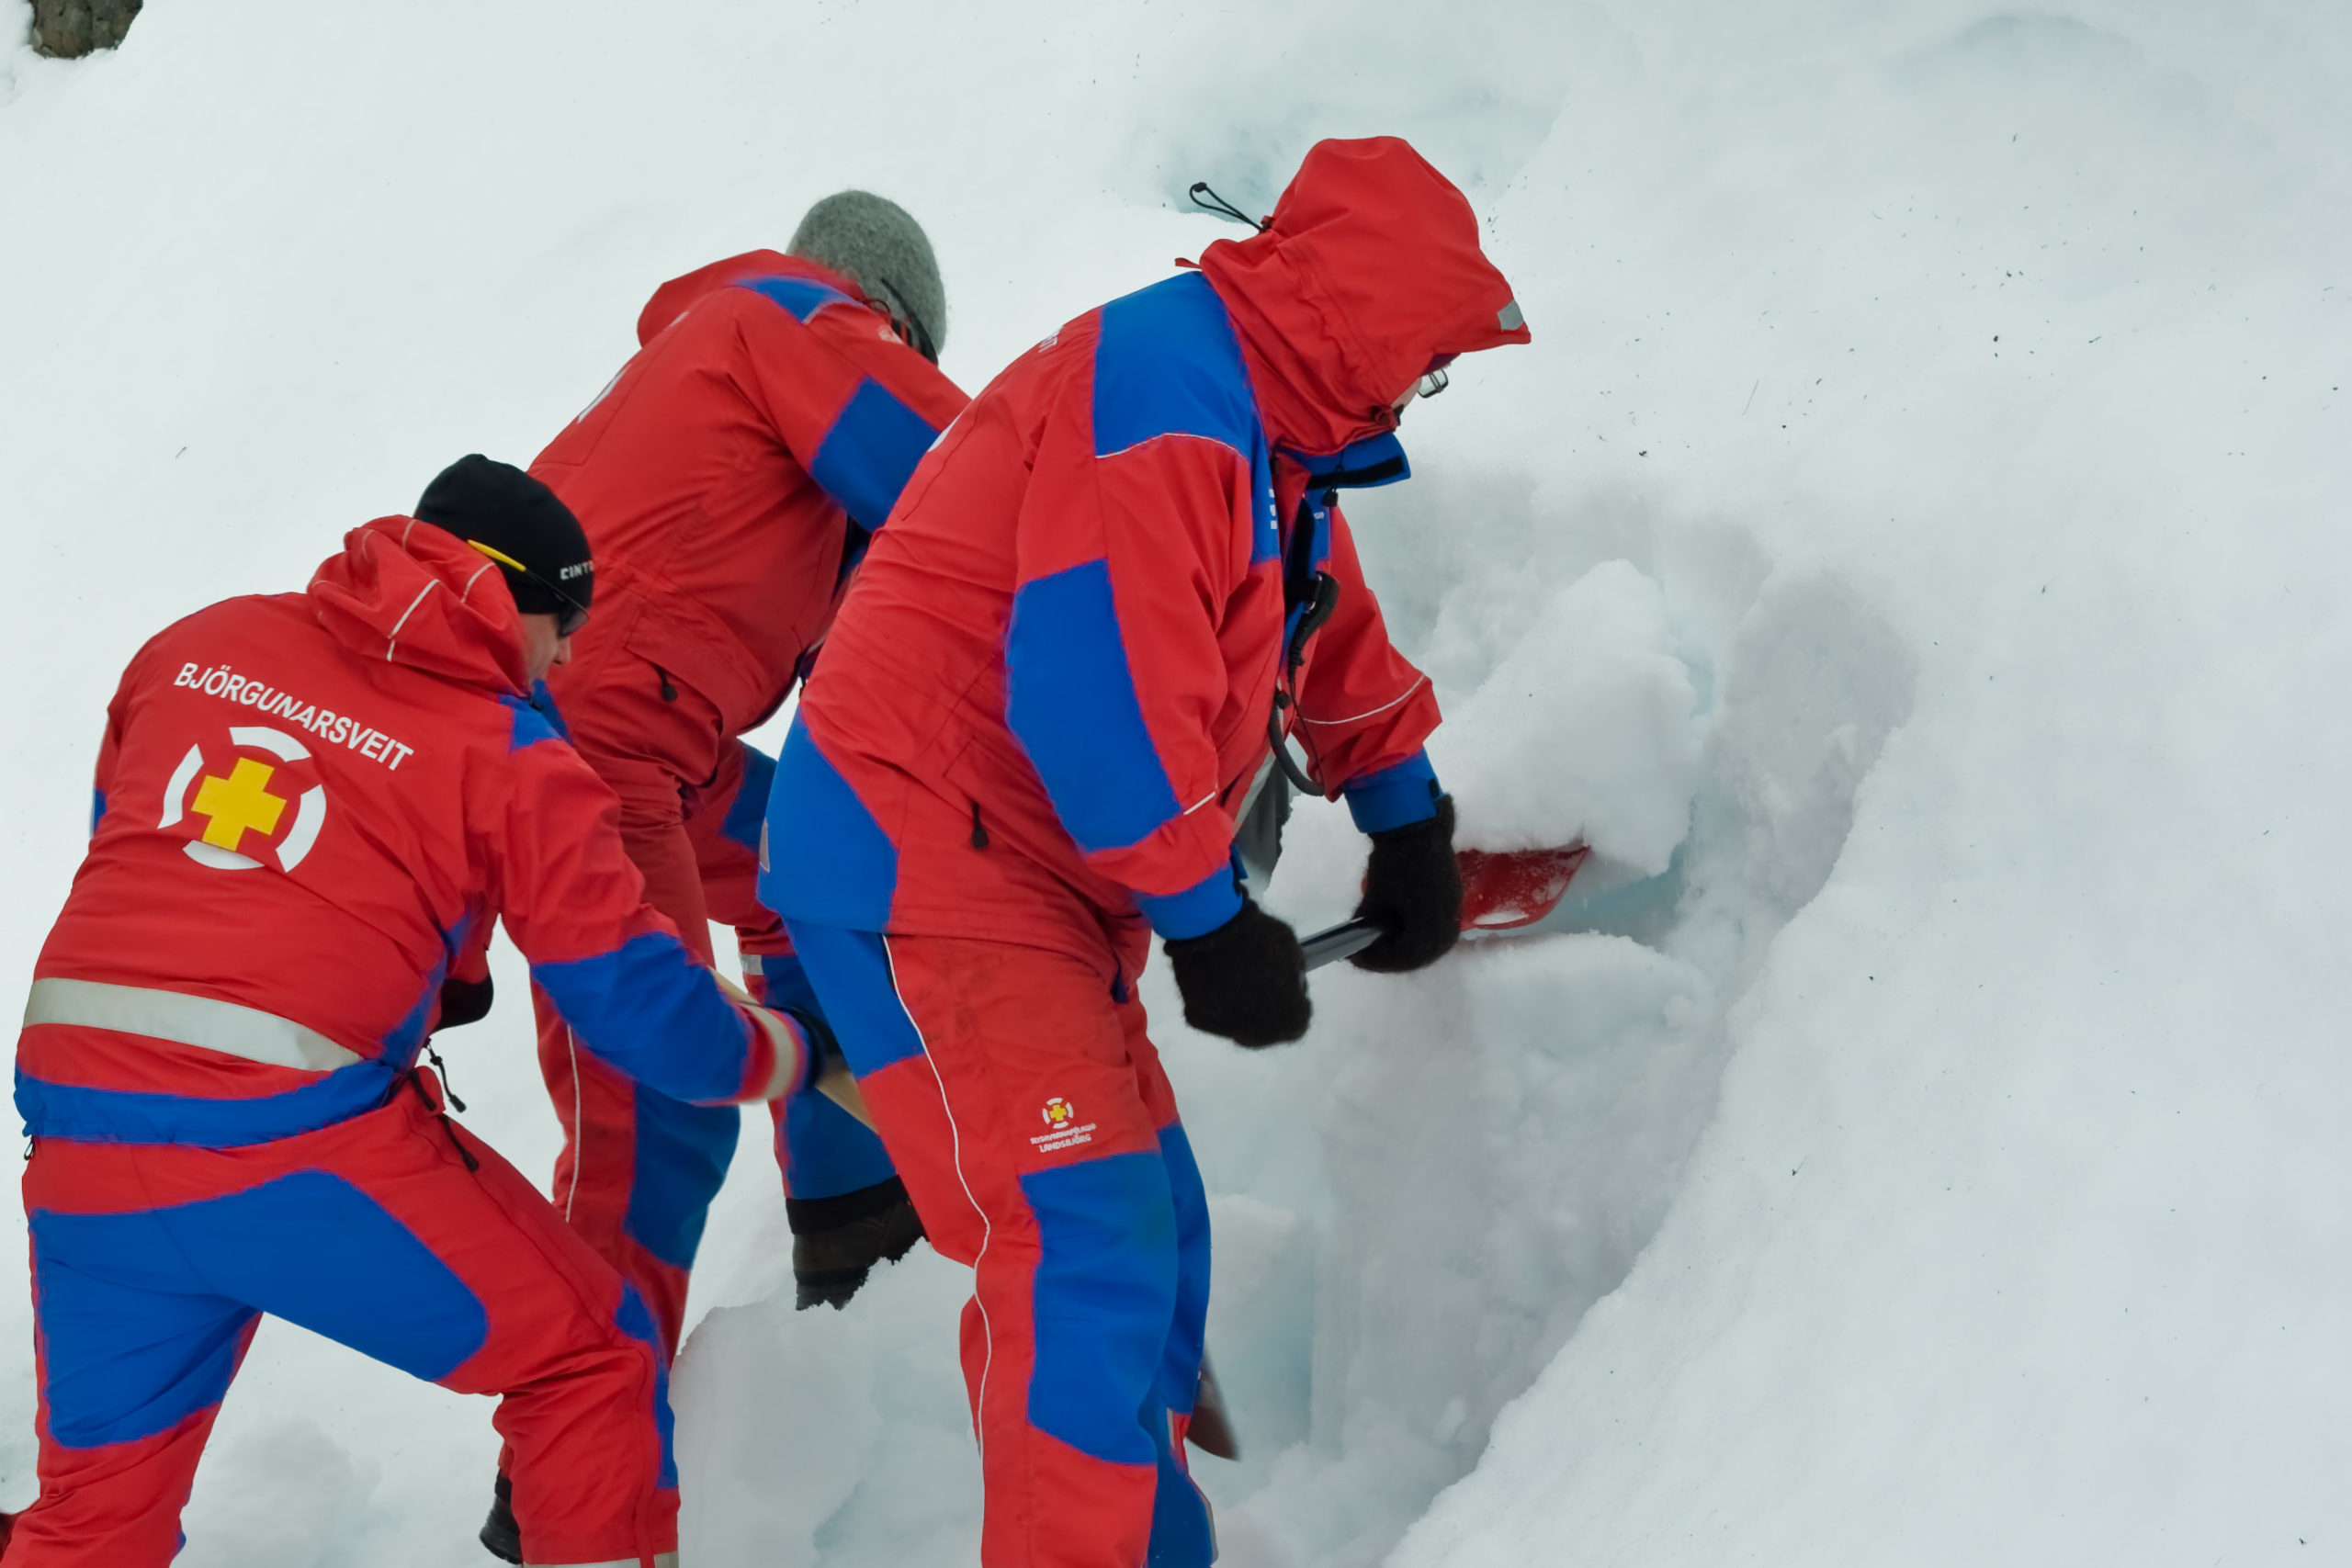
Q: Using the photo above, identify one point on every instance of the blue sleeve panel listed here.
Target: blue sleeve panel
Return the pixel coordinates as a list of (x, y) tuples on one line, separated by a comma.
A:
[(871, 451), (136, 1340), (1395, 796), (1071, 700), (649, 1010), (750, 806), (97, 811), (1196, 911), (1100, 1299), (827, 860)]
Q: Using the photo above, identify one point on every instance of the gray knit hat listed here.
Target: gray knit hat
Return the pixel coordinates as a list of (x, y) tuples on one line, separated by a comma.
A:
[(874, 244)]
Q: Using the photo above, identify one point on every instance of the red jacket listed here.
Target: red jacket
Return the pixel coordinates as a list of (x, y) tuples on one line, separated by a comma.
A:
[(729, 473), (1049, 689), (310, 808)]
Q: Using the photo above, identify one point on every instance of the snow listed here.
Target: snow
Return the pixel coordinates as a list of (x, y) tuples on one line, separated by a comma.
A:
[(1910, 552)]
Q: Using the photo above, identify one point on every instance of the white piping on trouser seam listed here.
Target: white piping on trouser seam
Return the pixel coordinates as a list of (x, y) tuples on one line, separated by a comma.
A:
[(571, 1045), (393, 637), (205, 1022), (1369, 712), (988, 1232)]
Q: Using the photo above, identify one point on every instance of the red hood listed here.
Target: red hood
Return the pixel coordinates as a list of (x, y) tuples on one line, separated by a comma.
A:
[(1369, 270), (676, 298), (415, 594)]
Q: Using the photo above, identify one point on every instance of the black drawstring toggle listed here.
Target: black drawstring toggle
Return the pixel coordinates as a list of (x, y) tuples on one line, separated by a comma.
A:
[(1225, 209), (979, 834), (416, 1080)]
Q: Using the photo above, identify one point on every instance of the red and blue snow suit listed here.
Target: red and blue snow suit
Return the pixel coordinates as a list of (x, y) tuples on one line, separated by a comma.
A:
[(1041, 710), (310, 807), (729, 479)]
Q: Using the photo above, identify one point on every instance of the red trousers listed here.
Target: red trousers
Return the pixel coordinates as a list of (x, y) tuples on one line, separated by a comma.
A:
[(153, 1264), (1026, 1110)]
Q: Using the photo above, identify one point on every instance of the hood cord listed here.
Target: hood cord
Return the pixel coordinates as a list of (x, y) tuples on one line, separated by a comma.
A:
[(1225, 209)]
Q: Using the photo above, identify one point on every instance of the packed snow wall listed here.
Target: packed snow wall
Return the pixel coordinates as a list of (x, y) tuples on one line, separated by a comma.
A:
[(1906, 553)]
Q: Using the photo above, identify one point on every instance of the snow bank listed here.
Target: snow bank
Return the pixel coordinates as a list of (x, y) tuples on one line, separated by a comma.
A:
[(1909, 552)]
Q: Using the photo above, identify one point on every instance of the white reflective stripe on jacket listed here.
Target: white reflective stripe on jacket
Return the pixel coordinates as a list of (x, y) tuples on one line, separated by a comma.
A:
[(202, 1022)]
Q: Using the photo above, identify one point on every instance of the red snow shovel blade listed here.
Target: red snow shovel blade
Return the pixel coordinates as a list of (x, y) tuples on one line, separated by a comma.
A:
[(1502, 890)]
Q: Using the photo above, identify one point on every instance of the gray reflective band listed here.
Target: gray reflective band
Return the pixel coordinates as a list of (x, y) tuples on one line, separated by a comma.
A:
[(664, 1560), (1508, 318), (201, 1021), (750, 963)]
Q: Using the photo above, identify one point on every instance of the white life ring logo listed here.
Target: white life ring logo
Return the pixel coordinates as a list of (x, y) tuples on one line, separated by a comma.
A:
[(243, 805)]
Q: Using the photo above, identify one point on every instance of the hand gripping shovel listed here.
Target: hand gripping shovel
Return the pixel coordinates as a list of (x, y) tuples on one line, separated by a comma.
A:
[(1501, 890)]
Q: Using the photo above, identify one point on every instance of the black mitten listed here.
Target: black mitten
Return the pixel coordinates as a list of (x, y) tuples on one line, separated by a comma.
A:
[(1246, 981), (1412, 891), (836, 1242)]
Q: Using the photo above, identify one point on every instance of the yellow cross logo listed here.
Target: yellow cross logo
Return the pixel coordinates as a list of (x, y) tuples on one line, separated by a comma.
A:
[(237, 804)]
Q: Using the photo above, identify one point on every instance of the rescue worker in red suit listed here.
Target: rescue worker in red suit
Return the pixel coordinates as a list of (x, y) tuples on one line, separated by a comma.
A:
[(310, 808), (1040, 713), (729, 478)]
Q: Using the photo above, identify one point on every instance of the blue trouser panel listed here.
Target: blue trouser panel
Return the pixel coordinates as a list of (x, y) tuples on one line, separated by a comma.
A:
[(825, 1151), (681, 1154), (142, 1314)]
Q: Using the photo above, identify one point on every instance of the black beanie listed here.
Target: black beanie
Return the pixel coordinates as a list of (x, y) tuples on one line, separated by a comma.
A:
[(499, 505)]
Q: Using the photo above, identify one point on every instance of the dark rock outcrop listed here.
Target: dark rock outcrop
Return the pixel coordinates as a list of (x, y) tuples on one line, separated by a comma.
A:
[(68, 29)]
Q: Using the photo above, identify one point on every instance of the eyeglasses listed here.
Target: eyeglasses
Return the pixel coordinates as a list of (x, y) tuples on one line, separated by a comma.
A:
[(574, 616), (908, 326)]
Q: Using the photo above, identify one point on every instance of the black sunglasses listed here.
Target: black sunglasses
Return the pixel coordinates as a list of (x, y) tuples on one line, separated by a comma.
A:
[(574, 616)]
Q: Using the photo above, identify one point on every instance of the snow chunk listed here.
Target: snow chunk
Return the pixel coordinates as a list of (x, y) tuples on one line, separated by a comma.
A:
[(1586, 731)]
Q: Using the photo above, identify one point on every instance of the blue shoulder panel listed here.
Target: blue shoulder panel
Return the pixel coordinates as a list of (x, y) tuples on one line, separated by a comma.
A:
[(867, 457), (97, 811), (750, 806), (1167, 363), (1071, 700), (827, 860), (530, 724), (800, 296)]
